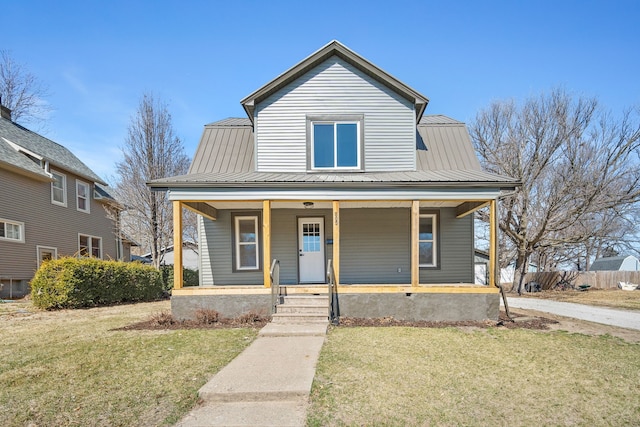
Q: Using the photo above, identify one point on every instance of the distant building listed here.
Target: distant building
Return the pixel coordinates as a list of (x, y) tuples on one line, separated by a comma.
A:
[(616, 263), (189, 256), (51, 204)]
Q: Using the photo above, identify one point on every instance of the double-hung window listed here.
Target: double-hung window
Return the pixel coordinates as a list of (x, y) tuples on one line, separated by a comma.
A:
[(335, 143), (427, 240), (246, 242), (89, 246), (59, 189), (83, 199), (11, 230)]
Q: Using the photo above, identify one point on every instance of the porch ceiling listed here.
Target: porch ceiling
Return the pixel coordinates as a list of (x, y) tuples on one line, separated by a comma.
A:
[(323, 204)]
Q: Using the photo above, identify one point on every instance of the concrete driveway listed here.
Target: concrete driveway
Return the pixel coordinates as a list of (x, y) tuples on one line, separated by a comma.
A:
[(607, 316)]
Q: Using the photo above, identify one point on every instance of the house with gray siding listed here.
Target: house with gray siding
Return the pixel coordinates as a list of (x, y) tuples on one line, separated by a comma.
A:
[(336, 176), (51, 204)]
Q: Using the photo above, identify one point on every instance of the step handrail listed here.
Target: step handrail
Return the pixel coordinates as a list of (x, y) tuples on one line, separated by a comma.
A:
[(332, 293), (274, 274)]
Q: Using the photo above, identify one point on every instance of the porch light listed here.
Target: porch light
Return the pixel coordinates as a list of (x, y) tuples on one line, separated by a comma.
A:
[(308, 205)]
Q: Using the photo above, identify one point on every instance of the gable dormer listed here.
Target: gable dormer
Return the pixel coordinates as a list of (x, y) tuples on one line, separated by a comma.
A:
[(335, 112)]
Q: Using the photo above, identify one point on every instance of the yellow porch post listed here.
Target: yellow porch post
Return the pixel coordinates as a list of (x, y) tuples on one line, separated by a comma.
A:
[(493, 243), (266, 239), (177, 244), (415, 247), (336, 241)]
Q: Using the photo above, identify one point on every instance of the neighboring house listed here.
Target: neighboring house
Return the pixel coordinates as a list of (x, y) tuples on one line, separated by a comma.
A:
[(336, 163), (189, 256), (51, 204), (616, 263), (506, 274)]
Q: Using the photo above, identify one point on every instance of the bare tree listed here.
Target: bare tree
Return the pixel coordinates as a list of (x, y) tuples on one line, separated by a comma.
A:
[(151, 151), (22, 92), (577, 165)]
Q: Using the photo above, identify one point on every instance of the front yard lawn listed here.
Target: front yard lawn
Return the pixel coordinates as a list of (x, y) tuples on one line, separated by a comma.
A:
[(403, 376), (72, 368)]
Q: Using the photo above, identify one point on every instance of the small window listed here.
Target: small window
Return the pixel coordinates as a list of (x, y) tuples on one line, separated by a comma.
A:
[(59, 189), (83, 200), (335, 143), (11, 230), (427, 240), (89, 246), (246, 237)]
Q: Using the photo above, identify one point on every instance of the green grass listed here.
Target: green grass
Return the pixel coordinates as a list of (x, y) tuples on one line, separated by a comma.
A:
[(71, 368), (417, 376)]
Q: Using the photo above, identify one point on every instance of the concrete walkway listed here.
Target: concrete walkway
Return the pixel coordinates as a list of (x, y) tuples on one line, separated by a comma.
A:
[(607, 316), (268, 384)]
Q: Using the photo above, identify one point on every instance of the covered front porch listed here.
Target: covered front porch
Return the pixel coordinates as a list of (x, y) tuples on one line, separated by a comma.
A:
[(415, 292)]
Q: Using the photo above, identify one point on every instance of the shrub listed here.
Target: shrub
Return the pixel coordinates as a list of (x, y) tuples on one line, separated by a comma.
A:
[(87, 282), (207, 316), (189, 277)]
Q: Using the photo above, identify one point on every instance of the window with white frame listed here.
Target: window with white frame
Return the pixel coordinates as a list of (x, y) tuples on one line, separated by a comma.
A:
[(83, 200), (427, 240), (89, 246), (59, 189), (335, 142), (11, 230), (246, 242)]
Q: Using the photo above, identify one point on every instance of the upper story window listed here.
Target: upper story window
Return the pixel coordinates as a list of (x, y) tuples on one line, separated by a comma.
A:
[(335, 142), (59, 189), (11, 230), (83, 200)]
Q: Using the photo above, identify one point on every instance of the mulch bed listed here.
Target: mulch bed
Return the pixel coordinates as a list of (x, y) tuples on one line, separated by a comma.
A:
[(164, 321)]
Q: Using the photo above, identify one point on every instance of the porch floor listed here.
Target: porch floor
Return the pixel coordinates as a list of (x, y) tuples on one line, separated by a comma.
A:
[(259, 289)]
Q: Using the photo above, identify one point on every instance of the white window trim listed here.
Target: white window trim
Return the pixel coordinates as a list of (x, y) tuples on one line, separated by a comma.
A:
[(64, 189), (88, 197), (433, 240), (90, 247), (357, 119), (20, 226), (237, 242), (46, 248)]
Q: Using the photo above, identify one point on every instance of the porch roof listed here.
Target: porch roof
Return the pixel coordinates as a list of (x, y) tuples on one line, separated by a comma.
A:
[(420, 178)]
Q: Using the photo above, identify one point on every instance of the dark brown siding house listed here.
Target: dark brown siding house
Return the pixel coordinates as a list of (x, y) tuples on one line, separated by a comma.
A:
[(51, 204), (337, 183)]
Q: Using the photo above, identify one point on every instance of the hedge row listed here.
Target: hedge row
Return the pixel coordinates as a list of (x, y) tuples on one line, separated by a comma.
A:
[(87, 282)]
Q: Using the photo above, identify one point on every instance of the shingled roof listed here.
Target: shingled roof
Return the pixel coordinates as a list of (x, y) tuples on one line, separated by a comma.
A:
[(20, 148)]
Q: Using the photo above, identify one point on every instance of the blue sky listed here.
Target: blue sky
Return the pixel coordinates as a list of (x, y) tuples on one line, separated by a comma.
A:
[(203, 57)]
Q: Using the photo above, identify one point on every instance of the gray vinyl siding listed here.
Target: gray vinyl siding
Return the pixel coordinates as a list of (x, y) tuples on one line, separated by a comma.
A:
[(29, 201), (335, 87), (456, 263), (374, 244), (216, 242)]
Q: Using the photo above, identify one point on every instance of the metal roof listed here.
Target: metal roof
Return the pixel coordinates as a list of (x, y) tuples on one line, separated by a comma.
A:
[(411, 178), (444, 144), (330, 49), (57, 155), (609, 263)]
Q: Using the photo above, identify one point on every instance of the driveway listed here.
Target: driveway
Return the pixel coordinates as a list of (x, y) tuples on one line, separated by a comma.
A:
[(606, 316)]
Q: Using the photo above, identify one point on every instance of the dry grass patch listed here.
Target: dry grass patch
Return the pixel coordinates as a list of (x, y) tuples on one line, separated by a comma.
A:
[(613, 298), (422, 376), (72, 367)]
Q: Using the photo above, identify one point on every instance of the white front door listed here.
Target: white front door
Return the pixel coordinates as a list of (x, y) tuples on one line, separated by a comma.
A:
[(311, 250)]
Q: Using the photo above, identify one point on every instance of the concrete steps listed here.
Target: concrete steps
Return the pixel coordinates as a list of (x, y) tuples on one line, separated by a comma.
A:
[(302, 309), (299, 315)]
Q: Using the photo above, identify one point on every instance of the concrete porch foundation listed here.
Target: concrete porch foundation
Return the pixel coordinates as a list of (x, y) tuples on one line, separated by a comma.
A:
[(404, 306)]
